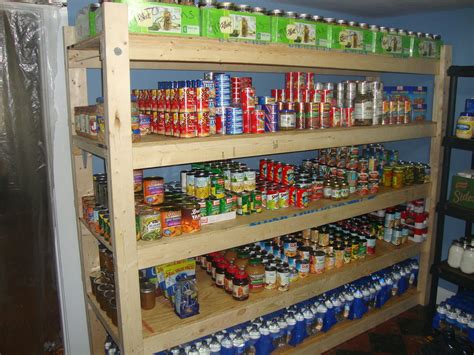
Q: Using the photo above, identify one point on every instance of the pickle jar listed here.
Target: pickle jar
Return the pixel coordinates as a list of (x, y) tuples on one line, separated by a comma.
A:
[(147, 295)]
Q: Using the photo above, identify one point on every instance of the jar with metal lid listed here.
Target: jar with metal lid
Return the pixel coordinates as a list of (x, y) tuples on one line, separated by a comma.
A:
[(258, 10), (287, 120), (341, 22), (420, 35), (353, 23), (383, 29), (147, 295), (275, 12), (290, 14), (363, 106), (303, 16), (374, 28), (207, 3), (256, 274), (336, 192), (240, 286), (243, 8), (283, 278), (330, 20), (364, 25), (398, 177), (327, 189), (226, 5), (317, 18), (344, 190), (402, 32), (393, 30), (467, 261), (455, 254)]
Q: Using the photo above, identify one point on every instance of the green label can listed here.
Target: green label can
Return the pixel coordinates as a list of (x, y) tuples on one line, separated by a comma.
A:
[(256, 202), (225, 204), (243, 203), (217, 186), (213, 206)]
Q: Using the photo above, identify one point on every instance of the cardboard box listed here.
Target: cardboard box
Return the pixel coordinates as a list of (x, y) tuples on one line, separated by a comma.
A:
[(226, 24), (352, 39), (393, 44), (218, 218), (293, 31), (462, 192), (162, 18), (425, 48)]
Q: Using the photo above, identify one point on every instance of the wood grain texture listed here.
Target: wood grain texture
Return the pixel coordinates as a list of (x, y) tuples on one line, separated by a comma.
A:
[(268, 224), (440, 107), (116, 84), (218, 310)]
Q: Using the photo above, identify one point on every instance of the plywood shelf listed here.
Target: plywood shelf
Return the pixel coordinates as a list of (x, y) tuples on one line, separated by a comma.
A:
[(162, 328), (267, 224), (96, 235), (103, 318), (158, 151), (346, 330), (150, 51)]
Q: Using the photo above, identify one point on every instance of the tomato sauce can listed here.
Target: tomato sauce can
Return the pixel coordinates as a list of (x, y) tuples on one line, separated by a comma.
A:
[(203, 124), (190, 218), (263, 191), (176, 124), (160, 124), (347, 117), (257, 121), (168, 118), (292, 195), (312, 117), (188, 122), (202, 98), (325, 114), (263, 168), (187, 99), (307, 95), (220, 126), (278, 94), (335, 117)]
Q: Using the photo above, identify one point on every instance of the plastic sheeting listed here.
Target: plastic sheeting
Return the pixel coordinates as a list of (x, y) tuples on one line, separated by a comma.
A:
[(29, 304)]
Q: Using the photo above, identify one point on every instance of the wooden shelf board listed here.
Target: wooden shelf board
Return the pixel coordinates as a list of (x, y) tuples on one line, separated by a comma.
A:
[(164, 329), (90, 145), (346, 330), (256, 227), (104, 319), (156, 150), (145, 49), (96, 235), (159, 151)]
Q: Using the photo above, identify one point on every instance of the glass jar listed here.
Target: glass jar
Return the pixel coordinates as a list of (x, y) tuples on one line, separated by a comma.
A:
[(256, 272), (242, 260), (147, 295), (270, 277), (240, 286), (363, 106), (455, 254), (467, 261), (287, 120)]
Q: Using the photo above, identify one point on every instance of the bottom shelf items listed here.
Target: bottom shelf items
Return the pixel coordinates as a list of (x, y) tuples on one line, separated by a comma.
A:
[(346, 330), (162, 329)]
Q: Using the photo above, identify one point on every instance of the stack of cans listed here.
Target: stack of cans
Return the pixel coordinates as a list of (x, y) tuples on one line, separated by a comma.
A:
[(222, 100)]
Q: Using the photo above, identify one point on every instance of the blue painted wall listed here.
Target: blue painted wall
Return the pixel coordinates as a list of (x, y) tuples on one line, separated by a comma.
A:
[(456, 28)]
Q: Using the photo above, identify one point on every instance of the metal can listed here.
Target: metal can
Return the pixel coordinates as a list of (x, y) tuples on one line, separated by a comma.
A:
[(188, 122), (153, 190), (335, 116), (202, 186), (237, 178), (213, 206), (190, 218), (263, 165), (256, 201), (325, 114), (300, 115), (272, 200), (248, 98), (302, 199), (312, 116), (257, 121), (287, 174), (270, 169), (249, 180), (287, 120), (243, 203), (283, 197), (277, 172), (149, 224), (217, 186), (233, 120), (317, 262), (225, 204), (271, 117)]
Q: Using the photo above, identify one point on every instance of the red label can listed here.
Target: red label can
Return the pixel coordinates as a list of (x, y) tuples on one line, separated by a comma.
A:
[(278, 94), (327, 96), (270, 164), (202, 99), (263, 165), (247, 98), (312, 118), (289, 95), (277, 171), (203, 126), (309, 81), (247, 119), (257, 121), (176, 124), (335, 116), (325, 114), (288, 174), (292, 195), (160, 127), (297, 95), (168, 117), (307, 95), (187, 99), (347, 116), (302, 199), (188, 123), (290, 106)]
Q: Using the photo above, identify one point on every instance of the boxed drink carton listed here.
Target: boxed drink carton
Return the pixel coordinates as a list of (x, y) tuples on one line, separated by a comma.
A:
[(462, 192), (352, 39), (162, 18), (393, 44), (293, 31), (425, 48), (228, 24)]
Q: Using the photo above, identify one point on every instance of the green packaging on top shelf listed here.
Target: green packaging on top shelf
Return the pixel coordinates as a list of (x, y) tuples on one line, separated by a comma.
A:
[(393, 44), (228, 24), (162, 18), (347, 38), (425, 48), (293, 31)]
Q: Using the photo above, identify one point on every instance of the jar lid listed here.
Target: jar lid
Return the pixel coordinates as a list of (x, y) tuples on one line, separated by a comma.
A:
[(255, 261), (147, 287)]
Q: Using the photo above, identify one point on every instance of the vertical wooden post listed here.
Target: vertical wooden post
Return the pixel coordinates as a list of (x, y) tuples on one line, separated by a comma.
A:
[(440, 105), (82, 178), (116, 85)]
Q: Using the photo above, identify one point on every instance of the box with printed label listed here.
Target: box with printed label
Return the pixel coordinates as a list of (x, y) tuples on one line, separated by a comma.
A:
[(227, 24), (462, 192), (293, 31), (162, 18), (393, 44), (424, 48), (352, 39)]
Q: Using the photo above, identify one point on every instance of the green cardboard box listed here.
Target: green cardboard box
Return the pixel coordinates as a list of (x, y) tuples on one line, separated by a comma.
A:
[(227, 24), (462, 192), (162, 18), (322, 35), (424, 48), (293, 31), (352, 39), (393, 44)]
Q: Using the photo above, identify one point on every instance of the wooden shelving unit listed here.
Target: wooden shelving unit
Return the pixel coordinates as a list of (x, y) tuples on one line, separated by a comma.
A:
[(116, 51)]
